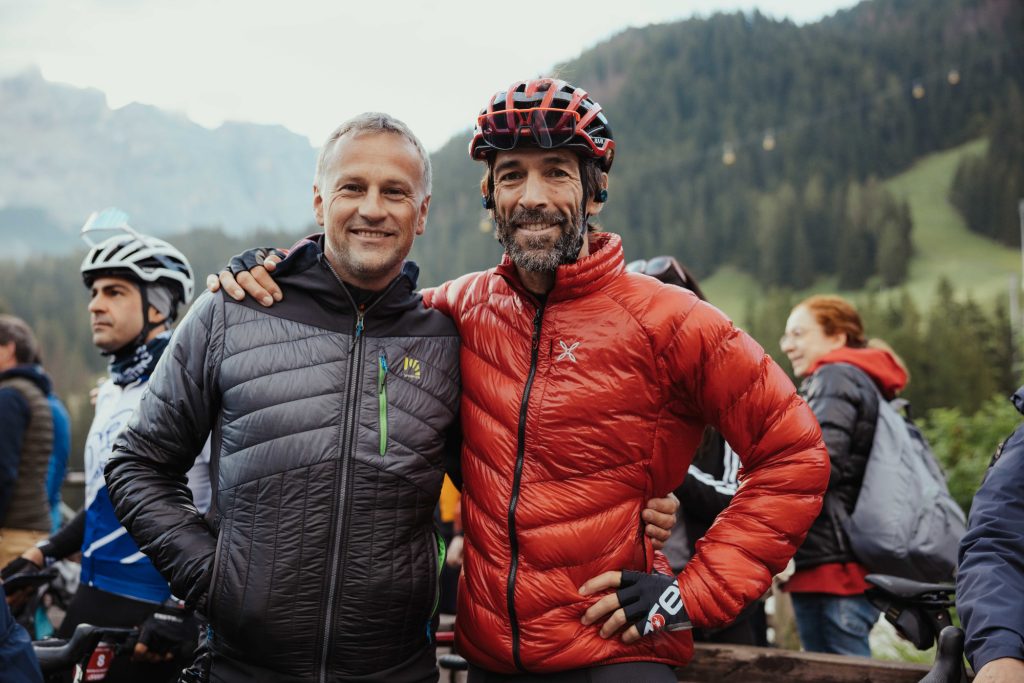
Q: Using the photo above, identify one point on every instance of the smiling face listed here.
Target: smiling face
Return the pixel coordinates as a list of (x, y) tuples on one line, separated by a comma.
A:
[(805, 340), (538, 198), (372, 205), (115, 312)]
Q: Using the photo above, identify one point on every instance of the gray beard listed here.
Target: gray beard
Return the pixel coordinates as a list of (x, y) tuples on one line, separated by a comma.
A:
[(533, 257)]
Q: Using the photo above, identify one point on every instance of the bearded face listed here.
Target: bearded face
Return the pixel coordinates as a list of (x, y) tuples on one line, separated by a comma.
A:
[(538, 240)]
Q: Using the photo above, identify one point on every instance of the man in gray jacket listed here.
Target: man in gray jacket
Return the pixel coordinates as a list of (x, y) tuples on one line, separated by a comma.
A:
[(330, 415)]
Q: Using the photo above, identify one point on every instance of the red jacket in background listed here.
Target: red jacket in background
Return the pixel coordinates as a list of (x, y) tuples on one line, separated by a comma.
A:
[(577, 410)]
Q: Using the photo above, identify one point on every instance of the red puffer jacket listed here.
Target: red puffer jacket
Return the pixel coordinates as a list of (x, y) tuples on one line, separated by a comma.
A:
[(578, 409)]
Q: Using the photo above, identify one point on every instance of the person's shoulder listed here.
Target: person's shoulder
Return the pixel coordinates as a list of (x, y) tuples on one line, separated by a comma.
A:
[(840, 380), (844, 373), (464, 289), (12, 397), (1010, 457)]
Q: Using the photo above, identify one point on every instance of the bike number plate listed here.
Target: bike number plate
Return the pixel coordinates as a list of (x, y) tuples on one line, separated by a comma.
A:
[(99, 663)]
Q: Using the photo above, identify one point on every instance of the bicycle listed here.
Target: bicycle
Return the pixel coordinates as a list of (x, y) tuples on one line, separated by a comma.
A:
[(921, 613)]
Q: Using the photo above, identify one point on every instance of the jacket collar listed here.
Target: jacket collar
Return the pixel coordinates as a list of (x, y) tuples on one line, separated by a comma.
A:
[(605, 262), (307, 267)]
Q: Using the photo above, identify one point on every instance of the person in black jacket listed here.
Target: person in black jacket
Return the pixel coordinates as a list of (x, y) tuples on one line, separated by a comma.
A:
[(330, 415), (990, 578), (709, 486), (825, 342)]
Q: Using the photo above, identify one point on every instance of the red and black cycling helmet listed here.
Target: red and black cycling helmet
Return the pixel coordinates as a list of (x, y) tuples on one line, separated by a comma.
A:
[(547, 113)]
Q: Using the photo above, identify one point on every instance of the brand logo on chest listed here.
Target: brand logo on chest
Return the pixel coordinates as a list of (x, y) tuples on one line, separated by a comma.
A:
[(568, 351), (410, 368)]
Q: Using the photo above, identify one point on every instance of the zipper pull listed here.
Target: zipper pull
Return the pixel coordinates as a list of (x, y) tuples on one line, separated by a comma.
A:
[(359, 320), (359, 327)]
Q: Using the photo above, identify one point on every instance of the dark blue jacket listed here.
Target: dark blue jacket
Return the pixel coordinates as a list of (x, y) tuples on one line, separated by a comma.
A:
[(17, 659), (990, 582), (14, 419)]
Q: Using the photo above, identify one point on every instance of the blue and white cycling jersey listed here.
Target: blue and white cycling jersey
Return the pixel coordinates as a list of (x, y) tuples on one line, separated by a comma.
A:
[(110, 559)]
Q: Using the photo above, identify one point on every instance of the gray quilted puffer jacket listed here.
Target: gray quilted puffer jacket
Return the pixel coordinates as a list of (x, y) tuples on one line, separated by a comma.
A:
[(320, 561)]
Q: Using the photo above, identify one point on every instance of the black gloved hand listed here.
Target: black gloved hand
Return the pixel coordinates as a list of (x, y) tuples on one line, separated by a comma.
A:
[(172, 628), (652, 602), (250, 258), (18, 565)]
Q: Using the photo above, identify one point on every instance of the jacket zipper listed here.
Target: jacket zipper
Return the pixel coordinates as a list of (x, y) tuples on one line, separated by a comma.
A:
[(382, 400), (514, 500), (338, 549)]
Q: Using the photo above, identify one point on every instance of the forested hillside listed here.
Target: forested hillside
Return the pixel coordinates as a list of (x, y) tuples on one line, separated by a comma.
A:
[(753, 142), (745, 145)]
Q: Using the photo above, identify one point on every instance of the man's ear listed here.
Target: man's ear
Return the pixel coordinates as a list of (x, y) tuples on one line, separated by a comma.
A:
[(155, 317), (488, 199), (593, 205), (318, 206), (421, 219)]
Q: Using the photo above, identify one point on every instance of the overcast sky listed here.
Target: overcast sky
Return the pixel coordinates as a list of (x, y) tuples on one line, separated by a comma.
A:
[(310, 64)]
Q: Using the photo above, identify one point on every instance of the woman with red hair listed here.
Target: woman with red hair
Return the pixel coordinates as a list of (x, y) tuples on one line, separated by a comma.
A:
[(843, 375)]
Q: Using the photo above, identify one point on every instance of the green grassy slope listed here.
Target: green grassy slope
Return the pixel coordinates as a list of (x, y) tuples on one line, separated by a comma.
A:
[(942, 244)]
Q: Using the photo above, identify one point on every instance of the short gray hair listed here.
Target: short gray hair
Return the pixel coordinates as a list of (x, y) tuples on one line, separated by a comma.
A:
[(374, 122), (14, 329)]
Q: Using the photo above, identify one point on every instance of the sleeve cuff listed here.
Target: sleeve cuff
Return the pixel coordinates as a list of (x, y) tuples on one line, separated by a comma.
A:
[(996, 645)]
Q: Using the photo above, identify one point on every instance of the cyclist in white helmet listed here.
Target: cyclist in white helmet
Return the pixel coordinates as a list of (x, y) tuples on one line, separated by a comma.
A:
[(137, 286)]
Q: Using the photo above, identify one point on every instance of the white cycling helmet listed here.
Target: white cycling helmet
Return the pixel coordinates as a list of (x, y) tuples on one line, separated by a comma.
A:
[(146, 259)]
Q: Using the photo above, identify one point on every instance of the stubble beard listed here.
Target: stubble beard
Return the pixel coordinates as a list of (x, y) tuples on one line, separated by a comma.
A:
[(360, 268), (532, 253)]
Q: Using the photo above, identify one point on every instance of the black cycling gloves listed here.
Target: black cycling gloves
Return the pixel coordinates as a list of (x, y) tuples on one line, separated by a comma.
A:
[(250, 258), (652, 602), (18, 565), (168, 629)]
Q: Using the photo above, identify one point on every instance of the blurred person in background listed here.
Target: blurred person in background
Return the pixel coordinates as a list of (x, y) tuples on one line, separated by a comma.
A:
[(710, 484), (841, 369), (26, 440), (137, 286)]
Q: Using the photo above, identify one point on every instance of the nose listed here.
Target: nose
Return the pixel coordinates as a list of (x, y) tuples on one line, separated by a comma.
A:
[(534, 195), (786, 343), (96, 304), (371, 209)]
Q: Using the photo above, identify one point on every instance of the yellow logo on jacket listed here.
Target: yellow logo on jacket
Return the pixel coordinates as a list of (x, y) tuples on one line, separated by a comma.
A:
[(410, 368)]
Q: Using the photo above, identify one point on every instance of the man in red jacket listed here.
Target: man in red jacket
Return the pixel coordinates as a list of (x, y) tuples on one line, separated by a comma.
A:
[(586, 390)]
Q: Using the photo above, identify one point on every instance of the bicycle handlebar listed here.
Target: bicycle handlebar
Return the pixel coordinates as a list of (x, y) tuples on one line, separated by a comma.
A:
[(58, 655)]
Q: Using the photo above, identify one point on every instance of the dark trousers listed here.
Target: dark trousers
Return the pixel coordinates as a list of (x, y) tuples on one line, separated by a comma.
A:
[(633, 672), (214, 667)]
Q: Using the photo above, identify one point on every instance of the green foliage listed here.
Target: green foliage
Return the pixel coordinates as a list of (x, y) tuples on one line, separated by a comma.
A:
[(835, 98), (965, 442), (987, 189)]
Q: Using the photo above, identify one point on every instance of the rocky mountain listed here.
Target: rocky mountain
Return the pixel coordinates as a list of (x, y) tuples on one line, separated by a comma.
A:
[(64, 153)]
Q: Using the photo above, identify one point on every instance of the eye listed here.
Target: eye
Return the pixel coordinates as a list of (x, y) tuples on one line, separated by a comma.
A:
[(558, 173), (510, 177), (350, 188)]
